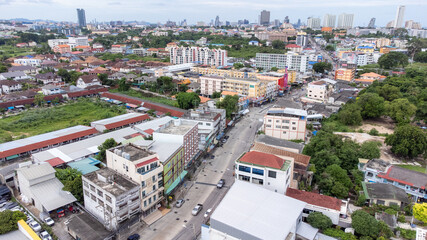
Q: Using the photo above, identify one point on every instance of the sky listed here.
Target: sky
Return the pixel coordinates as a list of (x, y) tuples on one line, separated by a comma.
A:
[(155, 11)]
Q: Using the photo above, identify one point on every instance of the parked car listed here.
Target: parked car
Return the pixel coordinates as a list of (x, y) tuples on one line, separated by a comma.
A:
[(45, 236), (226, 137), (9, 205), (3, 202), (49, 221), (35, 226), (134, 237), (207, 212), (224, 140), (220, 184), (197, 209), (179, 203)]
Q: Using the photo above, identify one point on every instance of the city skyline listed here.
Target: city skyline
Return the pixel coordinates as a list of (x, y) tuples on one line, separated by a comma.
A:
[(60, 10)]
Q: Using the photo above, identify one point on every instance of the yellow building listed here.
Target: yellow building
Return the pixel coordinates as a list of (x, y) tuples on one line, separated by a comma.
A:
[(365, 49), (344, 74), (253, 88), (381, 42), (386, 49)]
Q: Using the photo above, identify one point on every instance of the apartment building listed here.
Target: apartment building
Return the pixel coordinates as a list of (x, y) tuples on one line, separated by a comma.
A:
[(205, 56), (111, 197), (291, 60), (182, 132), (62, 49), (286, 123), (268, 170), (210, 84), (253, 88), (143, 167), (345, 74), (320, 90)]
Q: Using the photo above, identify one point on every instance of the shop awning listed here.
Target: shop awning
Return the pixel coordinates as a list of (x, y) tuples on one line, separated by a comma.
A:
[(176, 182), (12, 157)]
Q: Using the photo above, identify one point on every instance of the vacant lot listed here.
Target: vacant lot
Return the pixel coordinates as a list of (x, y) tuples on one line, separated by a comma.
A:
[(147, 96), (12, 51), (382, 125), (43, 120)]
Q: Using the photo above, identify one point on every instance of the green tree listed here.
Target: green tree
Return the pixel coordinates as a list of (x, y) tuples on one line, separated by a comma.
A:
[(274, 69), (421, 57), (320, 67), (420, 212), (64, 74), (123, 85), (109, 143), (415, 46), (372, 105), (39, 99), (330, 48), (385, 230), (318, 220), (350, 114), (9, 219), (72, 180), (393, 59), (365, 224), (238, 65), (370, 150), (361, 200), (278, 44), (407, 141), (187, 100), (230, 104), (389, 92), (401, 110), (216, 95)]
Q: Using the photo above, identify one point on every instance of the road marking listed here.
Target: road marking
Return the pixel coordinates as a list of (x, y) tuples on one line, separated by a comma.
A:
[(203, 183)]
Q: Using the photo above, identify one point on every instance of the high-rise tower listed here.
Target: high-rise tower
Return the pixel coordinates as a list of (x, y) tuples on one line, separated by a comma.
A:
[(81, 16)]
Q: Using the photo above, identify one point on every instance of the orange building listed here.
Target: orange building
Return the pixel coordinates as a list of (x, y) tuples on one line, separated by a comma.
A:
[(387, 49), (326, 29), (344, 74), (62, 49)]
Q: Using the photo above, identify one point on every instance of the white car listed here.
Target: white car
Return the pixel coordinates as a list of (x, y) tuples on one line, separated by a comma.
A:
[(197, 209), (35, 226), (207, 212), (45, 236), (49, 221)]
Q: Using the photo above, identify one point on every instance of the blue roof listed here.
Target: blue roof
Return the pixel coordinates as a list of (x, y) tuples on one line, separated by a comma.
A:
[(86, 165), (365, 47)]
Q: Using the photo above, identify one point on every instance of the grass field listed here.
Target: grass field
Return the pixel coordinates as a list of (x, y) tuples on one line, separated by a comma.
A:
[(414, 168), (38, 121), (13, 51), (147, 96)]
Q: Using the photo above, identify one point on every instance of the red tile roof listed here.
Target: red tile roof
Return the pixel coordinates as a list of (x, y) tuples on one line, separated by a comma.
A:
[(146, 162), (263, 159), (127, 121), (149, 131), (55, 161), (315, 199), (299, 159), (293, 46)]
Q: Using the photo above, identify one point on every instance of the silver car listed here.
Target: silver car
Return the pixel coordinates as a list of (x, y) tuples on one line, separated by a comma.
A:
[(197, 209), (179, 203)]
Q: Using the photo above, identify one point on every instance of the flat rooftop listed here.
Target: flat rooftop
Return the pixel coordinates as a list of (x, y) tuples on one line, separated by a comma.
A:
[(119, 118), (175, 129), (111, 181), (85, 225), (135, 152), (290, 111), (165, 150)]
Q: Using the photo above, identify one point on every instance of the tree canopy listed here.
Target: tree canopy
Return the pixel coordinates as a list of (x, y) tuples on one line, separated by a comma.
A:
[(407, 141), (372, 105), (320, 67), (393, 59), (318, 220), (230, 104), (420, 212), (365, 224), (400, 110), (107, 144), (9, 219), (188, 100), (72, 180)]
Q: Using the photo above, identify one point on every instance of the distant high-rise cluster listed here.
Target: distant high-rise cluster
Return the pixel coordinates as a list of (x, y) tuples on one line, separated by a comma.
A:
[(345, 21), (81, 16), (329, 20), (264, 18), (313, 23), (398, 21), (372, 23)]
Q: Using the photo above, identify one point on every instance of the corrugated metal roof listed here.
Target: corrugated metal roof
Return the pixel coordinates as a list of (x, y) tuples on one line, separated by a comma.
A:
[(35, 171), (51, 195)]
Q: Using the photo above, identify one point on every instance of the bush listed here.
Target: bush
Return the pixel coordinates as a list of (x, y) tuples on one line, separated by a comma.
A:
[(318, 220), (401, 218), (365, 224), (390, 211), (340, 234), (373, 132), (407, 234), (361, 200)]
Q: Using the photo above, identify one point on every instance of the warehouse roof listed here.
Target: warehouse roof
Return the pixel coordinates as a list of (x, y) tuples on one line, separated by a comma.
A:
[(121, 120)]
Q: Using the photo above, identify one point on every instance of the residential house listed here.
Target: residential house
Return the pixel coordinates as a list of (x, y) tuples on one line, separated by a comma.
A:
[(62, 49), (39, 186), (320, 90), (268, 170), (27, 69), (8, 86), (143, 167), (28, 61), (117, 49), (19, 75), (369, 78), (385, 194), (286, 123), (51, 89), (334, 208), (294, 48), (111, 197), (48, 78), (85, 81)]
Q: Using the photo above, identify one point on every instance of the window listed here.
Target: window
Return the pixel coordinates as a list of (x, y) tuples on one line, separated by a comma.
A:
[(208, 124), (92, 188), (258, 181), (268, 126), (285, 127), (278, 126), (380, 202), (141, 170), (149, 201), (93, 197), (244, 178), (269, 120), (200, 123), (109, 209), (85, 184), (286, 121), (370, 174), (86, 193), (101, 194), (244, 169), (154, 187), (154, 198), (293, 123), (108, 198), (145, 203), (272, 174), (143, 194), (294, 128), (143, 184), (277, 121), (153, 178), (101, 202), (284, 132), (258, 171)]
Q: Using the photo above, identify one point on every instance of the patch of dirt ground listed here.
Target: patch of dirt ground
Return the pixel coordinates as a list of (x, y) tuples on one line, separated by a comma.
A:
[(382, 125)]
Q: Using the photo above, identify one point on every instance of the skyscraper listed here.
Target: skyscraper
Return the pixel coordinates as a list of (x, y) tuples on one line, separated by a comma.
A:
[(313, 23), (264, 18), (329, 20), (217, 23), (345, 21), (398, 21), (372, 23), (81, 16), (286, 20)]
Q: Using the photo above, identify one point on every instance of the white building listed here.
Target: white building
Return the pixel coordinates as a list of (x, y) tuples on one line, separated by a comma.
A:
[(51, 89), (110, 197), (320, 90), (85, 81), (270, 171), (400, 14), (200, 55), (28, 62), (121, 121), (251, 212), (140, 51), (8, 86), (78, 41), (143, 167), (345, 21), (313, 23), (332, 207), (285, 123), (329, 20), (39, 186), (293, 61), (55, 42), (210, 84)]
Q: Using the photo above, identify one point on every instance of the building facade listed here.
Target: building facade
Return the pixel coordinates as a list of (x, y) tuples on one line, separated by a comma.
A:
[(345, 21), (285, 123), (204, 55), (210, 84), (291, 60)]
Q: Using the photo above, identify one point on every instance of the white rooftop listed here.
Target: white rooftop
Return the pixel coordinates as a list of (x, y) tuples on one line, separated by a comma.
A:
[(292, 111), (154, 124), (165, 149), (81, 149), (35, 171), (117, 118), (42, 137), (251, 210)]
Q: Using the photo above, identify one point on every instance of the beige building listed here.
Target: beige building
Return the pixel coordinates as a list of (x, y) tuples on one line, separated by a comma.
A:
[(285, 123), (210, 84), (253, 88), (142, 167), (344, 74), (381, 42), (319, 90)]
